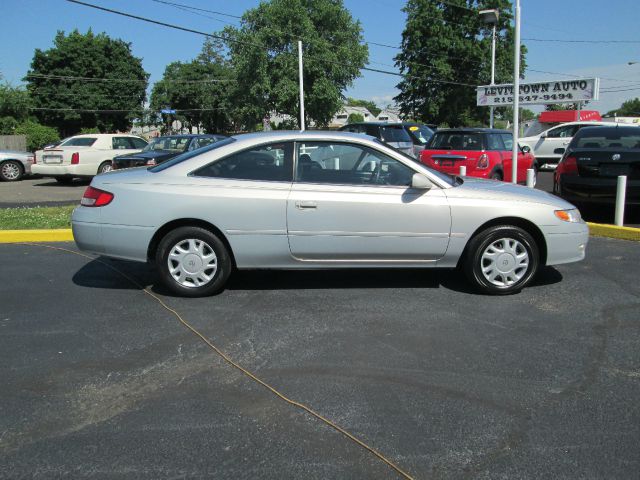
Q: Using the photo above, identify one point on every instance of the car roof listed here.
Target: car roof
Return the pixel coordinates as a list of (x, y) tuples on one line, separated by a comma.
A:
[(192, 135), (376, 124), (624, 129), (472, 130), (284, 135)]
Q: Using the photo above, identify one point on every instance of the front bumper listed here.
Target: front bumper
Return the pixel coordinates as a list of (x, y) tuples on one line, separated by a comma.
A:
[(567, 247)]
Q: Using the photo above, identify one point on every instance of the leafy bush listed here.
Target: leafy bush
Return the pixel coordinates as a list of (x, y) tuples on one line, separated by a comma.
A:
[(37, 135), (355, 118)]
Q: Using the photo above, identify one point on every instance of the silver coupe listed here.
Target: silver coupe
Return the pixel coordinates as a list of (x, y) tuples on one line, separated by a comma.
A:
[(321, 200)]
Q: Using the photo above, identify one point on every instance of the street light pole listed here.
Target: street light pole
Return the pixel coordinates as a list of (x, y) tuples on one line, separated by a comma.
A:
[(491, 17), (516, 95), (301, 86), (493, 70)]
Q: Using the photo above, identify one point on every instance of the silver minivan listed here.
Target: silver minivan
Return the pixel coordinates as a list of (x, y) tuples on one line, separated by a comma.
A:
[(392, 134)]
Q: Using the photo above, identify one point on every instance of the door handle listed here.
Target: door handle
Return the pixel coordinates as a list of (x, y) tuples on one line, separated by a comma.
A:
[(306, 205)]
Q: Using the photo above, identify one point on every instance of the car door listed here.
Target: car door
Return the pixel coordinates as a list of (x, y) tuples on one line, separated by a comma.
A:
[(558, 137), (353, 203)]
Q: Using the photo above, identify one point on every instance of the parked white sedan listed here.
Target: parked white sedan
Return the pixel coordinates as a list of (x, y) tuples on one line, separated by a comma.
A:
[(84, 155), (14, 165), (320, 200)]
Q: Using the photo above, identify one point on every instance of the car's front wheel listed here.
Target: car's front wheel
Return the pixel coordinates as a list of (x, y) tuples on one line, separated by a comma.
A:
[(502, 259), (193, 262)]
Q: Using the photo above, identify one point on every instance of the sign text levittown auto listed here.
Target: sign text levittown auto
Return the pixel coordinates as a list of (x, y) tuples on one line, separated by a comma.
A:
[(540, 93)]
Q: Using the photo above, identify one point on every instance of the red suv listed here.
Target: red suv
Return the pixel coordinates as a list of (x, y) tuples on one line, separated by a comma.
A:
[(485, 152)]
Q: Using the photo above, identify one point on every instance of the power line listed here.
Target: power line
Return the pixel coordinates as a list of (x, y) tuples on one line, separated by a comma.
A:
[(173, 4), (126, 80), (557, 40)]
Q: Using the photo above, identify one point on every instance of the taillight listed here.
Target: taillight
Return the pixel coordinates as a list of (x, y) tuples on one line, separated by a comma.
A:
[(32, 158), (483, 162), (151, 161), (568, 164), (75, 158), (94, 197)]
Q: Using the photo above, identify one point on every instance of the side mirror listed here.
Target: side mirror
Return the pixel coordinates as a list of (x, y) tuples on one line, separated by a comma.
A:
[(420, 182), (526, 149), (559, 151), (543, 135)]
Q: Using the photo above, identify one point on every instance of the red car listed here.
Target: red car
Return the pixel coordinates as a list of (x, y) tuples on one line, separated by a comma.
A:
[(485, 152)]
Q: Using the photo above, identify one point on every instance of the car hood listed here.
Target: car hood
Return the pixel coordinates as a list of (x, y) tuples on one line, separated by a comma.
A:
[(494, 190)]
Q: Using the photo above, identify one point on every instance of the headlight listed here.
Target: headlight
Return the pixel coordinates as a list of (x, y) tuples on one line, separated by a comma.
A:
[(572, 215)]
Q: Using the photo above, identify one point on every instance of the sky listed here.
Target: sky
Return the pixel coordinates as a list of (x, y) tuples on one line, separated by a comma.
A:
[(29, 24)]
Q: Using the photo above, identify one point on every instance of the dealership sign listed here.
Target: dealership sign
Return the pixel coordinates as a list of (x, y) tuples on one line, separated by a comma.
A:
[(540, 93)]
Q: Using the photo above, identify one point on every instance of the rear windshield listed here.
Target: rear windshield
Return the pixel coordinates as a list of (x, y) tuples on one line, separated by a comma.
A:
[(194, 153), (421, 133), (168, 144), (394, 134), (608, 138), (79, 142), (455, 141)]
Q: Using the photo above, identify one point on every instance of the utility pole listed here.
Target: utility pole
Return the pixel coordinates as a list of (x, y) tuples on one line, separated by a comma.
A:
[(301, 86), (491, 17), (516, 95)]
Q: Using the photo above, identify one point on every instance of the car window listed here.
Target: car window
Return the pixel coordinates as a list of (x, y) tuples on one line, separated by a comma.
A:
[(188, 155), (348, 164), (455, 141), (421, 133), (201, 142), (122, 143), (79, 142), (271, 162), (138, 142), (566, 131), (495, 142), (352, 128), (609, 138), (394, 134), (507, 139)]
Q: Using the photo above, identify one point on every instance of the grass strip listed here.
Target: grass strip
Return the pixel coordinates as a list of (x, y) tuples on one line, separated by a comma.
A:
[(29, 218)]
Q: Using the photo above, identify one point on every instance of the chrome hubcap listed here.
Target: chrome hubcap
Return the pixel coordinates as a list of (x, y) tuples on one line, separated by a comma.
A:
[(107, 168), (10, 171), (505, 262), (192, 263)]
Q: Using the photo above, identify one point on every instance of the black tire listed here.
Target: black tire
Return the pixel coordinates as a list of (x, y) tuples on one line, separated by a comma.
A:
[(191, 285), (504, 283), (497, 175), (105, 167), (64, 180), (11, 171)]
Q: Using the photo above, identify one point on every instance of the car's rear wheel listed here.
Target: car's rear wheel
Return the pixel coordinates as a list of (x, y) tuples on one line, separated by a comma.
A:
[(11, 171), (502, 260), (193, 262), (105, 167)]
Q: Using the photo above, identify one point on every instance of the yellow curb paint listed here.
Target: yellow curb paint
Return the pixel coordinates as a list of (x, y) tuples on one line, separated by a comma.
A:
[(613, 231), (17, 236)]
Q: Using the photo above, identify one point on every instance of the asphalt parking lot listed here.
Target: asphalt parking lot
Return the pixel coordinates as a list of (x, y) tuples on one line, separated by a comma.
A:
[(100, 381)]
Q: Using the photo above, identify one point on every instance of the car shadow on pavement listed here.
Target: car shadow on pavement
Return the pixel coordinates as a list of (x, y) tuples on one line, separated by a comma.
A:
[(48, 182), (136, 276)]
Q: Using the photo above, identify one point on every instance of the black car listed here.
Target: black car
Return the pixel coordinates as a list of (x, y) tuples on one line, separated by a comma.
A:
[(589, 168), (392, 134), (420, 134), (161, 149)]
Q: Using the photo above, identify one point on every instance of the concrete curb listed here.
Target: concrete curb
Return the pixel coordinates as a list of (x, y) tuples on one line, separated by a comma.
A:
[(18, 236), (613, 231), (66, 235)]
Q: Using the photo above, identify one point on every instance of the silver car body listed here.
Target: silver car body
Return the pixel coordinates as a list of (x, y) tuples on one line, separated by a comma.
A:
[(290, 225), (25, 158)]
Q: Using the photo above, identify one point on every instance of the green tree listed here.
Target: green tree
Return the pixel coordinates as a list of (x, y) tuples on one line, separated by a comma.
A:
[(198, 90), (368, 104), (355, 118), (14, 108), (446, 53), (37, 135), (263, 52), (630, 108), (85, 72)]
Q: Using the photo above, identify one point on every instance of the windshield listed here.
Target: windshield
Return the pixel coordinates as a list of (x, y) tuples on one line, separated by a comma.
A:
[(455, 141), (194, 153), (421, 133), (394, 134), (79, 142), (168, 144), (445, 177), (602, 137)]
